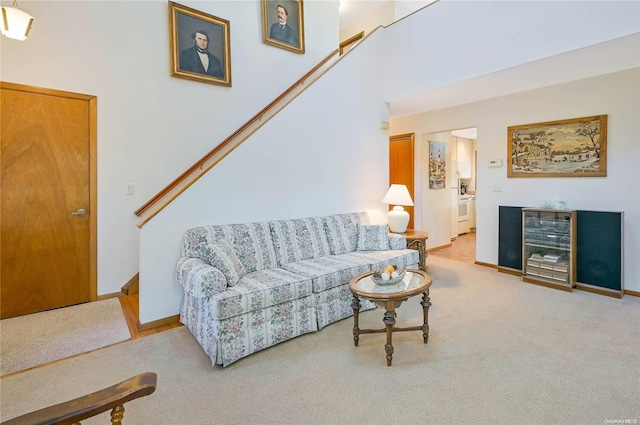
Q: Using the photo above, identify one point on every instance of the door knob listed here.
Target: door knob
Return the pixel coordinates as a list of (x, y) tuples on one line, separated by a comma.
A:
[(80, 211)]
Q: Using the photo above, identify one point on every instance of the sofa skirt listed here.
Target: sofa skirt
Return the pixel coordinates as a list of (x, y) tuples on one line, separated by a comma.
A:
[(335, 304), (228, 340)]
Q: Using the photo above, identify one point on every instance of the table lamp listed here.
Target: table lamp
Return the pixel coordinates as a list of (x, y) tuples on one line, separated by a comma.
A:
[(398, 195)]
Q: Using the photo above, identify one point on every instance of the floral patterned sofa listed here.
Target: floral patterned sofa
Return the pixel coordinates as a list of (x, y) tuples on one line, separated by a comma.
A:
[(253, 285)]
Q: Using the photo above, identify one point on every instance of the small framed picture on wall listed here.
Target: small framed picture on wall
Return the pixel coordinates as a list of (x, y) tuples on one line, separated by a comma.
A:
[(283, 24), (200, 46), (437, 165)]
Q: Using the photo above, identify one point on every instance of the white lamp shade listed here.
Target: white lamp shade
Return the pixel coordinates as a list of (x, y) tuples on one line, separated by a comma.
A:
[(398, 195), (15, 23)]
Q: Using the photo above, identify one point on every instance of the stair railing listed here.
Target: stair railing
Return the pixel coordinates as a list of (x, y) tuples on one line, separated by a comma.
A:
[(202, 166), (73, 411)]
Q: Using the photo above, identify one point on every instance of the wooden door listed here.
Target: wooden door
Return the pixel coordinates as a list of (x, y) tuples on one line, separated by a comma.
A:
[(47, 152), (401, 166)]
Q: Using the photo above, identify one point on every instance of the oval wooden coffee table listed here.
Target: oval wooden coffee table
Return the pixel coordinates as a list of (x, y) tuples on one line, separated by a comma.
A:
[(390, 297)]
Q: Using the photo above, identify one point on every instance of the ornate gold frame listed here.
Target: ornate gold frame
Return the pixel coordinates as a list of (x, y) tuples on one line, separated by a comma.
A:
[(296, 21), (575, 147), (183, 22)]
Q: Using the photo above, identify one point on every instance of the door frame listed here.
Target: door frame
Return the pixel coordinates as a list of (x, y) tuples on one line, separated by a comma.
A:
[(408, 137), (92, 102)]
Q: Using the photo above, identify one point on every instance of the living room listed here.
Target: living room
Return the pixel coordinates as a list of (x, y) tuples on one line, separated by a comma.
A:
[(324, 154), (137, 135)]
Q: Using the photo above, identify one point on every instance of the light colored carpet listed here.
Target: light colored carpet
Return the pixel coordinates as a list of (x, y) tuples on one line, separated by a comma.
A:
[(500, 351), (35, 339)]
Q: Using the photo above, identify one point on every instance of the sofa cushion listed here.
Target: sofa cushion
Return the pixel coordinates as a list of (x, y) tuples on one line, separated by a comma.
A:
[(373, 237), (377, 260), (299, 239), (258, 290), (250, 241), (328, 272), (397, 241), (342, 231), (221, 256)]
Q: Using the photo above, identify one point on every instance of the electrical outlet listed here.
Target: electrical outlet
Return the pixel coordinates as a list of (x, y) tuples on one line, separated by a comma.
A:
[(496, 188), (131, 189)]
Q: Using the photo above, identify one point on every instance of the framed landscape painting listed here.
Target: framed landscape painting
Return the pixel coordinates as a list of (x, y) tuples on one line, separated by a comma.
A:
[(283, 24), (574, 147), (200, 46)]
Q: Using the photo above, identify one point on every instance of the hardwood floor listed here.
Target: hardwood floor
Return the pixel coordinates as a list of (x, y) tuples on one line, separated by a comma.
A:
[(131, 311), (461, 249)]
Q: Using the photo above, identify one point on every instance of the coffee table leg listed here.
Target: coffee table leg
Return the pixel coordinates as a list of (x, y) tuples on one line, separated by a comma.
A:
[(389, 320), (426, 303), (355, 304)]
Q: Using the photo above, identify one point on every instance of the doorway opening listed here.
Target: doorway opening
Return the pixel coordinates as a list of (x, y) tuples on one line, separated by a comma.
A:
[(450, 208)]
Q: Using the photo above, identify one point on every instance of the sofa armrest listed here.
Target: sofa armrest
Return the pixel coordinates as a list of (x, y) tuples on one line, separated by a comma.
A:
[(198, 278), (397, 241)]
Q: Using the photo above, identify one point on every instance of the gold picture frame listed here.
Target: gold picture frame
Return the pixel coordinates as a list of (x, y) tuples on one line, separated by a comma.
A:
[(200, 47), (574, 147), (283, 24), (437, 165)]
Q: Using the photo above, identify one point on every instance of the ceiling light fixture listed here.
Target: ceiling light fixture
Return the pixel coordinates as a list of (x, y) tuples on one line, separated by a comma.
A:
[(16, 23)]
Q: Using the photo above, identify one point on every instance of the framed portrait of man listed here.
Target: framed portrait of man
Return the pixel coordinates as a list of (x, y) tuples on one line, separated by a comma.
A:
[(283, 24), (200, 46)]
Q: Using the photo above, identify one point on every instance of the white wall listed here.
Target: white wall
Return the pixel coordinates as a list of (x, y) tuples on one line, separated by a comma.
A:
[(451, 41), (381, 15), (375, 13), (323, 154), (615, 95), (431, 205), (151, 126)]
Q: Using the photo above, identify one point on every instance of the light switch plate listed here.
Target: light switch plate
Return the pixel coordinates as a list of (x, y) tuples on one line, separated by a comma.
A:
[(494, 163)]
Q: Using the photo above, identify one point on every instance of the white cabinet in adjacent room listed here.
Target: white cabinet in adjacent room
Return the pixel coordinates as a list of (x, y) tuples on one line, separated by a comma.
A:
[(464, 152), (472, 214), (464, 214)]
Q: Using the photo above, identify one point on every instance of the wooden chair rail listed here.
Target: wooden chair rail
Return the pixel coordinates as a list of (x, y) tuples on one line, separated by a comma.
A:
[(73, 411), (200, 163)]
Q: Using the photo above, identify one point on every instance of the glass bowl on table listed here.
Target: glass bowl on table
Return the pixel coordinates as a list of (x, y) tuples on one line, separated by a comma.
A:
[(381, 277)]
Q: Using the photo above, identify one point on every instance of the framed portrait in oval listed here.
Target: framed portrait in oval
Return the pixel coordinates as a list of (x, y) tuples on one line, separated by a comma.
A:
[(200, 48), (283, 24)]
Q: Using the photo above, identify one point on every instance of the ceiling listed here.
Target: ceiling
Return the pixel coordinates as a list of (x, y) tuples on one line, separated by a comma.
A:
[(466, 133)]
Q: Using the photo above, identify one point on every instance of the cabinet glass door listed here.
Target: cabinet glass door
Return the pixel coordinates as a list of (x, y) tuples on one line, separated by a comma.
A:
[(548, 253)]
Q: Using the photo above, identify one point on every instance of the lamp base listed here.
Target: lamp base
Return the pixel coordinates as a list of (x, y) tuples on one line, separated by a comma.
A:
[(398, 219)]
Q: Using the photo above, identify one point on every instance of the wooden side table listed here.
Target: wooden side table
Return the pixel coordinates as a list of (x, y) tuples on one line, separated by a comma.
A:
[(417, 240)]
